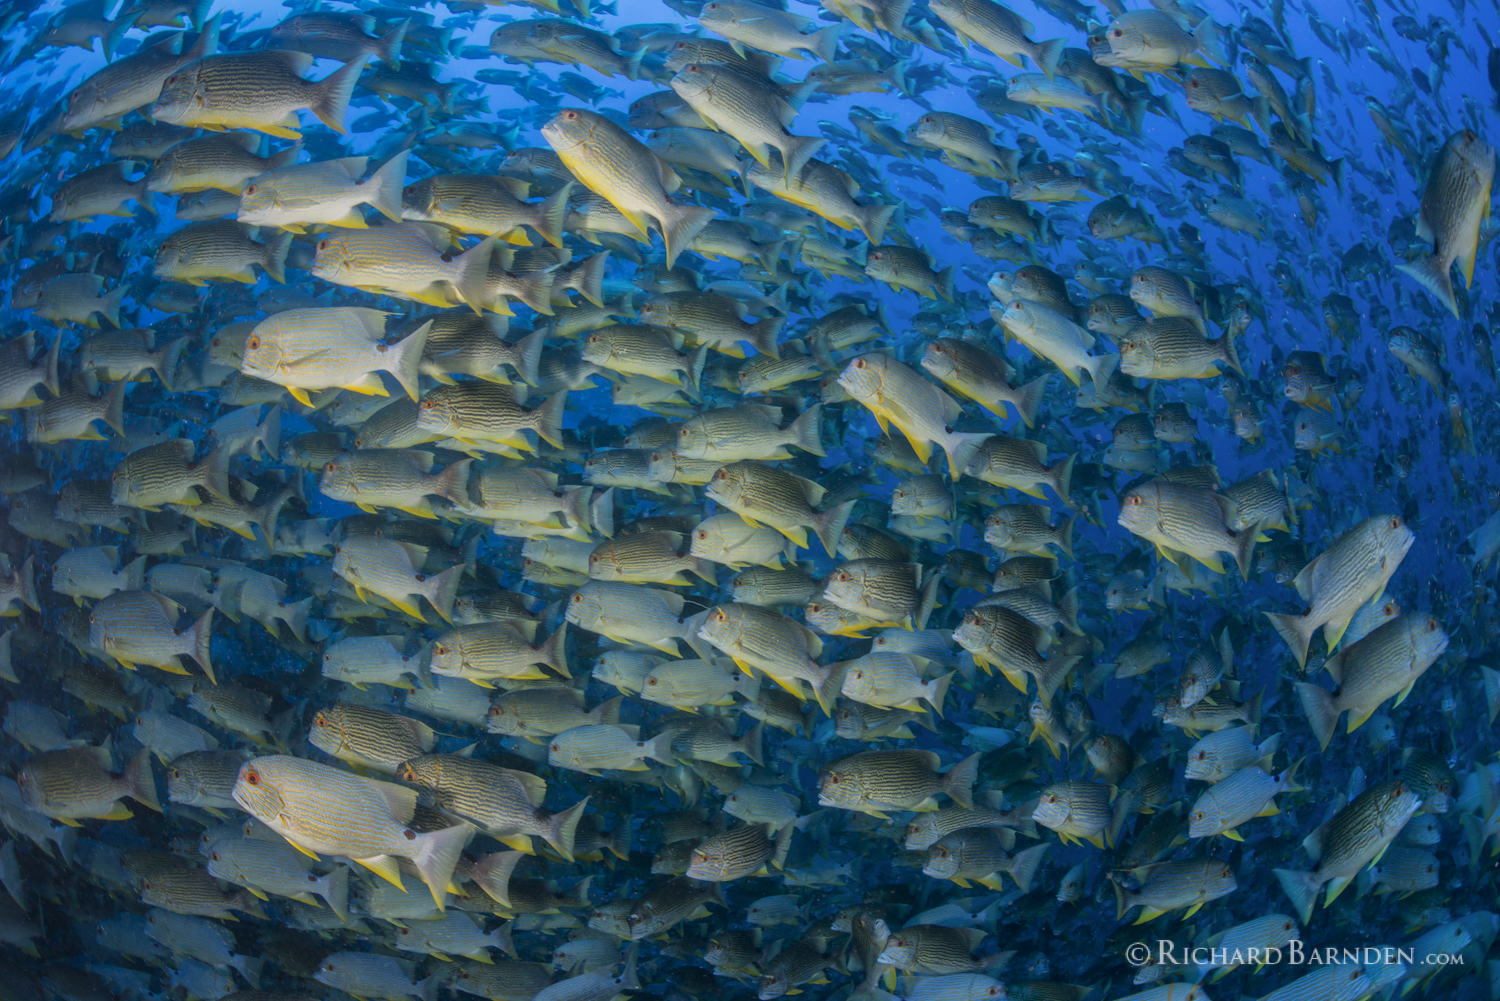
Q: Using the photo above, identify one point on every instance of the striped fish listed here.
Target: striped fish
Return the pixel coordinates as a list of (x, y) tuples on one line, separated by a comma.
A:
[(260, 90), (275, 867), (488, 412), (313, 349), (292, 196), (71, 783), (140, 627), (389, 569), (502, 802), (320, 809), (369, 737), (406, 261), (220, 161)]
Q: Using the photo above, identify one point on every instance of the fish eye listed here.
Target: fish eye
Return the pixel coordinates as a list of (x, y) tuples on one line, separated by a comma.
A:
[(253, 778), (253, 343), (250, 190), (1395, 522), (171, 79), (570, 115), (1119, 33), (859, 363)]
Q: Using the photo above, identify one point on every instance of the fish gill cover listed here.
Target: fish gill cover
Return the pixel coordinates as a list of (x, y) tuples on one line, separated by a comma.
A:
[(881, 499)]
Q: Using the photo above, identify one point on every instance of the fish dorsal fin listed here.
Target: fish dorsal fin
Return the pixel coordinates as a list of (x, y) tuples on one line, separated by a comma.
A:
[(812, 491), (672, 600), (535, 786), (401, 800), (422, 460)]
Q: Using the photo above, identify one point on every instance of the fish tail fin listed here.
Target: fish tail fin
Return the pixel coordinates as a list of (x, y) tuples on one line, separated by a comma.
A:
[(1301, 888), (49, 364), (763, 335), (1321, 712), (1231, 353), (404, 360), (562, 828), (109, 305), (336, 892), (453, 482), (527, 358), (250, 967), (695, 364), (547, 419), (273, 258), (389, 46), (827, 687), (550, 217), (202, 633), (114, 407), (1121, 904), (386, 185), (118, 28), (945, 282), (270, 429), (939, 691), (1207, 37), (134, 574), (807, 430), (166, 362), (796, 151), (331, 103), (1135, 113), (1260, 110), (208, 40), (1433, 274), (577, 502), (609, 711), (830, 525), (602, 513), (535, 290), (143, 196), (1291, 628), (142, 783), (588, 278), (288, 156), (1062, 477), (443, 588), (769, 253), (1244, 548), (825, 42), (680, 225), (473, 273), (492, 872), (751, 744), (555, 650), (437, 855), (1049, 54), (1069, 608), (958, 783), (961, 447), (874, 220), (1025, 864), (297, 613), (1028, 402), (1340, 169), (1065, 535), (213, 472)]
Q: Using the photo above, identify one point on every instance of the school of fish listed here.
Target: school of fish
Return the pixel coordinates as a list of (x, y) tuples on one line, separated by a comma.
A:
[(554, 501)]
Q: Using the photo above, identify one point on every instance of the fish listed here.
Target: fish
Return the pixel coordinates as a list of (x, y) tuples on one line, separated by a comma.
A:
[(1347, 575), (1455, 204), (638, 383)]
